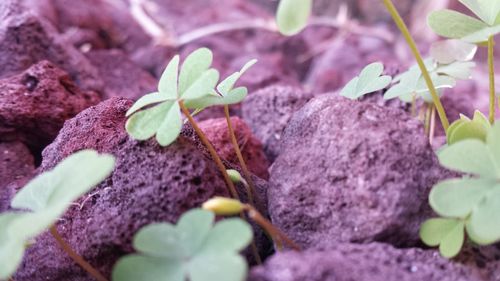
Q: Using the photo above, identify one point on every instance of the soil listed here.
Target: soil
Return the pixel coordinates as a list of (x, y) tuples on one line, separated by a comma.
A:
[(347, 180)]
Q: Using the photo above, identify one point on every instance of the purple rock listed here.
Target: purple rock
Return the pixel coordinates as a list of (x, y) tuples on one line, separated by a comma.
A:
[(268, 111), (35, 104), (122, 77), (149, 184), (352, 172), (371, 262), (26, 39)]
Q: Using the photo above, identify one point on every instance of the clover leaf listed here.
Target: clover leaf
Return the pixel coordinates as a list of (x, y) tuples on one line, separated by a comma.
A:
[(159, 113), (473, 202), (368, 81), (449, 51), (194, 249), (448, 234), (292, 15), (465, 128), (452, 24), (47, 197)]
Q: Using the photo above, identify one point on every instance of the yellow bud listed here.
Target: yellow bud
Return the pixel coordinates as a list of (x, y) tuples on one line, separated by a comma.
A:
[(223, 206)]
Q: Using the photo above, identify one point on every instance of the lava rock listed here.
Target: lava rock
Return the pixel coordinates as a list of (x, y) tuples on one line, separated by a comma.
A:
[(100, 24), (26, 39), (217, 132), (268, 111), (35, 104), (372, 262), (150, 184), (352, 172), (16, 162), (122, 78)]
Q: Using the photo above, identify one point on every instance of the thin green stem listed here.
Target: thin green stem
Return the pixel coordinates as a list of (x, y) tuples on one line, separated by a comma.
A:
[(237, 150), (211, 150), (432, 126), (427, 119), (411, 43), (75, 256), (491, 68)]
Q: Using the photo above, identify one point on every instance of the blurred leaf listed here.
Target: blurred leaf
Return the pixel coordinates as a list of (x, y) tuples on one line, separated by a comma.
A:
[(486, 10), (368, 81), (227, 84), (457, 70), (449, 51), (292, 15), (195, 249), (451, 24), (457, 157), (464, 128), (483, 226)]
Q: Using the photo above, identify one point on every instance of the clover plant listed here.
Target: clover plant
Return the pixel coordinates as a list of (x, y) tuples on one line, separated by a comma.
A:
[(452, 24), (45, 199), (470, 203), (465, 128), (195, 249), (369, 80), (195, 86)]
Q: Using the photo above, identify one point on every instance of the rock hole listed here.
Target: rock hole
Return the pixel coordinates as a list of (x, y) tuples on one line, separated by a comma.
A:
[(30, 82)]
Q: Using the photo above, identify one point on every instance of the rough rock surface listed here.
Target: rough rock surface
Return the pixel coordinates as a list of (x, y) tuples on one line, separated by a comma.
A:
[(121, 77), (149, 184), (35, 104), (26, 39), (372, 262), (352, 172), (16, 162), (268, 111), (217, 132)]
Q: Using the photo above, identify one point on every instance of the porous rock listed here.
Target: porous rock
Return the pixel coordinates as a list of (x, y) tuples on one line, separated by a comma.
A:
[(352, 172), (149, 184), (16, 162), (372, 262), (26, 39), (35, 104), (217, 132), (122, 77), (268, 111)]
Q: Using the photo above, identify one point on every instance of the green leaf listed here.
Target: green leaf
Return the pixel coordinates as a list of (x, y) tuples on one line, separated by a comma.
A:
[(447, 233), (227, 84), (449, 51), (368, 81), (482, 35), (233, 97), (144, 101), (464, 128), (228, 235), (195, 249), (193, 67), (202, 86), (144, 124), (493, 142), (457, 198), (11, 248), (138, 267), (70, 179), (171, 127), (486, 10), (168, 81), (451, 24), (220, 267), (483, 226), (292, 15), (457, 157)]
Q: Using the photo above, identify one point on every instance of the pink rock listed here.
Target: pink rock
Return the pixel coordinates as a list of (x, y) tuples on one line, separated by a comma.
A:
[(217, 132), (35, 104)]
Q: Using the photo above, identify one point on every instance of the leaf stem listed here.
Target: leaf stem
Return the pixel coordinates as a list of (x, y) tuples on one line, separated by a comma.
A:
[(432, 124), (276, 234), (76, 257), (491, 68), (237, 149), (211, 150), (411, 43)]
